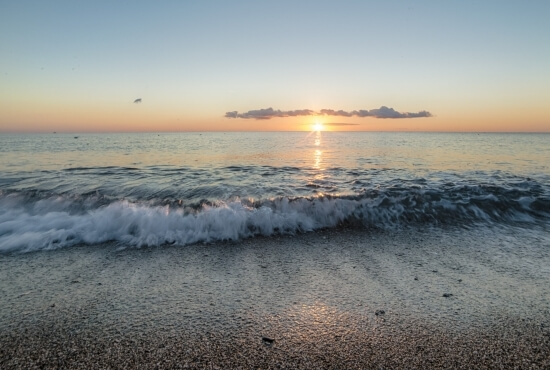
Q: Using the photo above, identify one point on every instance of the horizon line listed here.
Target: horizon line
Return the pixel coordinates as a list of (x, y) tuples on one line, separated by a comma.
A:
[(270, 131)]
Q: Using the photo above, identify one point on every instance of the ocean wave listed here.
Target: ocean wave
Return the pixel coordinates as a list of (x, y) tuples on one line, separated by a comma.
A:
[(37, 221)]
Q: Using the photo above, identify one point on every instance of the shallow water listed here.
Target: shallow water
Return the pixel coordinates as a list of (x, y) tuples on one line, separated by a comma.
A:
[(288, 281)]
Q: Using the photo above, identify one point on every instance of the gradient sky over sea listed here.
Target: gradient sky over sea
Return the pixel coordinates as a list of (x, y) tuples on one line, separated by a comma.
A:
[(78, 66)]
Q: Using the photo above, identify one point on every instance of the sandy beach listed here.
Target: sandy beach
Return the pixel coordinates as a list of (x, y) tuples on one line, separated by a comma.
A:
[(454, 298), (274, 185)]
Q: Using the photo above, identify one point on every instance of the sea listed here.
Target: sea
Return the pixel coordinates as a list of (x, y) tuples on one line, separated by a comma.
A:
[(133, 190)]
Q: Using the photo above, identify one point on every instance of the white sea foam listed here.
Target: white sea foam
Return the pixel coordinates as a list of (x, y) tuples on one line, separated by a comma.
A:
[(28, 224), (29, 228)]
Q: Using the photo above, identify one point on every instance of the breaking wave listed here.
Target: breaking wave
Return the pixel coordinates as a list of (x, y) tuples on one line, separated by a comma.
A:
[(33, 221)]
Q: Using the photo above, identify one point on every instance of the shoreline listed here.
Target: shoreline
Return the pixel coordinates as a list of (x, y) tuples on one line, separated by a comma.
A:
[(329, 299)]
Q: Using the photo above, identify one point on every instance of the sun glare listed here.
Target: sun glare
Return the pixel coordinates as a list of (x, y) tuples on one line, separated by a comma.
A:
[(317, 126)]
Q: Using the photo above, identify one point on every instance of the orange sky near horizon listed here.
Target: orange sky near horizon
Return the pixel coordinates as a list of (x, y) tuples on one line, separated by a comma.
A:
[(91, 125), (141, 118)]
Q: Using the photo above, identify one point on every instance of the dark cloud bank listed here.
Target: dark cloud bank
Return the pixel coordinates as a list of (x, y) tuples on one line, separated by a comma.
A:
[(382, 112)]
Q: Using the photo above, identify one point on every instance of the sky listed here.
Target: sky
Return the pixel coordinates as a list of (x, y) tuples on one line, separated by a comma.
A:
[(79, 66)]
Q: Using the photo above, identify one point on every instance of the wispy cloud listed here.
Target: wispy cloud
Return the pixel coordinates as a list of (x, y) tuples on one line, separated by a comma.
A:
[(382, 112), (268, 113), (336, 124)]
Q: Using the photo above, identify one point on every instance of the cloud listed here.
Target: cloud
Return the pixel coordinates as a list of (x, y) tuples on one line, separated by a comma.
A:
[(385, 112), (269, 113), (382, 112), (332, 112), (335, 124)]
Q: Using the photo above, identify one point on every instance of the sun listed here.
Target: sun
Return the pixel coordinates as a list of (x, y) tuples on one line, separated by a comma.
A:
[(318, 126)]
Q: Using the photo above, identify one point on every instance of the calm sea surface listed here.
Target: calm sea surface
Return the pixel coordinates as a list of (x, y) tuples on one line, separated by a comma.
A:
[(58, 190)]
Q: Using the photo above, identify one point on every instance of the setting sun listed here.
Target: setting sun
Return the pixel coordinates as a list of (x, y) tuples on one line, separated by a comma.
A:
[(318, 126)]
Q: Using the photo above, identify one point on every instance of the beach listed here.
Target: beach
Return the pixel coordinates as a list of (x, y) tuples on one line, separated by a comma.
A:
[(335, 298), (274, 185)]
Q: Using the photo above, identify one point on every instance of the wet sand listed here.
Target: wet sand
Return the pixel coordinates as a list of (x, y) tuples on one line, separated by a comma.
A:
[(438, 298)]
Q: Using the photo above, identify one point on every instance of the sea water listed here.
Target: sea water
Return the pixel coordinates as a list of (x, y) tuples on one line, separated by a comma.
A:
[(151, 189)]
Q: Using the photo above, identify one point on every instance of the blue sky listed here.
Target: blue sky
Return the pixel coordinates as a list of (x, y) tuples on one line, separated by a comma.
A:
[(78, 66)]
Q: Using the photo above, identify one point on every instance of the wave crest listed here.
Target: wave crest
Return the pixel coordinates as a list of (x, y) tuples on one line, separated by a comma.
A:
[(34, 222)]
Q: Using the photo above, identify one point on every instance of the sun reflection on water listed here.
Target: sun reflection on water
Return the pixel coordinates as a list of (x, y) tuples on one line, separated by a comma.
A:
[(318, 153), (311, 321), (318, 158), (318, 138)]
